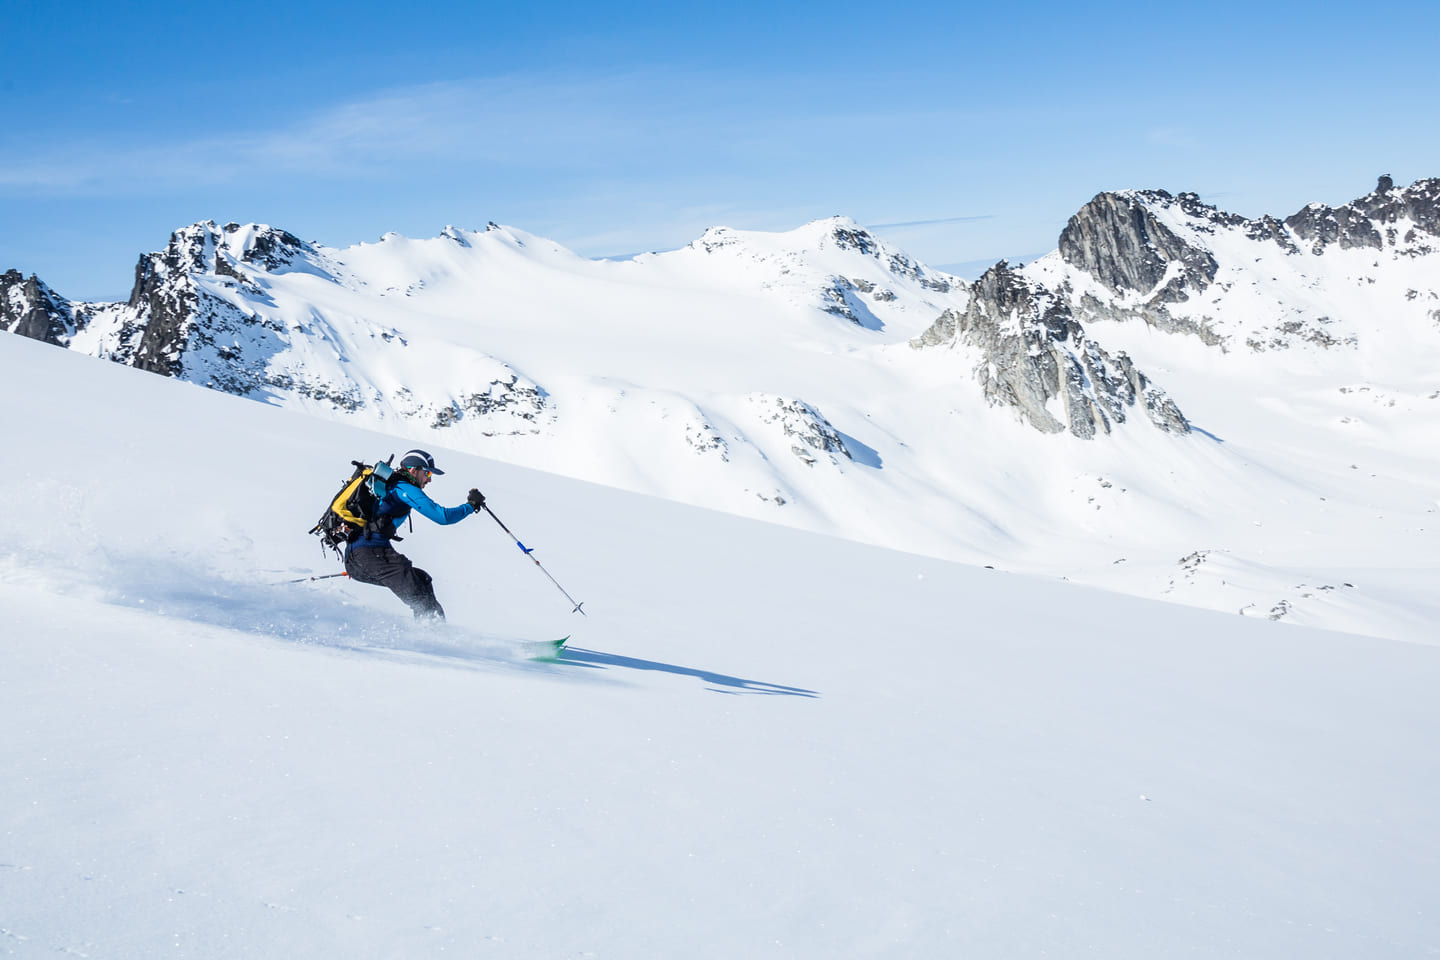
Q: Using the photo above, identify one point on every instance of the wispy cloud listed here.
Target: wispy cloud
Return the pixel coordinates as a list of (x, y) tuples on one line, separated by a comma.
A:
[(506, 121), (644, 124), (929, 223)]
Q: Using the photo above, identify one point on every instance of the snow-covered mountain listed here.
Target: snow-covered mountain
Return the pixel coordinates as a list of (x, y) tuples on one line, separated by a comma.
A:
[(1178, 402)]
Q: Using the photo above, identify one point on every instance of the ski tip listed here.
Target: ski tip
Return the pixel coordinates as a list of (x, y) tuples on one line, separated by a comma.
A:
[(550, 649)]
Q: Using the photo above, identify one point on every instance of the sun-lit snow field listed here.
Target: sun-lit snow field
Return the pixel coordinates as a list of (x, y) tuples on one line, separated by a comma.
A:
[(762, 743)]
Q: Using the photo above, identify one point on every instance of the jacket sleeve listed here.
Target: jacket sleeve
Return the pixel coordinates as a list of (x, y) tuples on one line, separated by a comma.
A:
[(410, 494)]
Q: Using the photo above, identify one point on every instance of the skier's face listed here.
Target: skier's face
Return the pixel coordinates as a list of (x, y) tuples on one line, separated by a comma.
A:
[(421, 475)]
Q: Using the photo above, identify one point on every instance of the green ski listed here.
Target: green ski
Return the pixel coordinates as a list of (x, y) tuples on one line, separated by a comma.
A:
[(547, 649)]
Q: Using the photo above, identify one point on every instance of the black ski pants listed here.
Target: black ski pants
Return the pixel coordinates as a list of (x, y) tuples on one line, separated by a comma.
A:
[(387, 567)]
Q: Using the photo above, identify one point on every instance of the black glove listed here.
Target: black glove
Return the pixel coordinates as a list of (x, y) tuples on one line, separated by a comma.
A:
[(476, 499)]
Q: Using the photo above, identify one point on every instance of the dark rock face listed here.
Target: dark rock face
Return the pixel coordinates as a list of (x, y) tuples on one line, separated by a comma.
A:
[(197, 312), (1036, 359), (271, 248), (854, 239), (1116, 239), (1153, 314), (1359, 224), (811, 434), (180, 325), (164, 300), (1268, 228), (1321, 226), (848, 238), (1151, 250), (516, 400), (31, 309)]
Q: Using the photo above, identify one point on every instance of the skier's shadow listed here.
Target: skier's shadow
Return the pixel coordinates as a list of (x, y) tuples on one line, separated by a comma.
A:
[(737, 685)]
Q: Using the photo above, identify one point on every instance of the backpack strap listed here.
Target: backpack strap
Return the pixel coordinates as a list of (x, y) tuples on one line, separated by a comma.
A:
[(387, 479)]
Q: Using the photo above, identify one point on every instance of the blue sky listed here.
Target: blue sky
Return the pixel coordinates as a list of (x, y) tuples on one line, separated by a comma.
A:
[(963, 132)]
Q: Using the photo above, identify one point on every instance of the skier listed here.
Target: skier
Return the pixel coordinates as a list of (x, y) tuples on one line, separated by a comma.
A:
[(372, 559)]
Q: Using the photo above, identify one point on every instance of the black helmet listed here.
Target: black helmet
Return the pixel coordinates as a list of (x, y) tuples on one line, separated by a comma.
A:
[(421, 460)]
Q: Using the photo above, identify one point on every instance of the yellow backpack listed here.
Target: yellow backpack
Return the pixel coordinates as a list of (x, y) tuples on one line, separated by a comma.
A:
[(353, 508)]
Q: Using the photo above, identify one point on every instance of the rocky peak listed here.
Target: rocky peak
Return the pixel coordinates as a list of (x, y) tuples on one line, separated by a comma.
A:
[(1151, 252), (1035, 358), (206, 248), (31, 309), (1384, 216), (846, 234), (190, 250), (1345, 226), (1118, 239), (262, 246), (849, 235), (164, 297), (451, 232)]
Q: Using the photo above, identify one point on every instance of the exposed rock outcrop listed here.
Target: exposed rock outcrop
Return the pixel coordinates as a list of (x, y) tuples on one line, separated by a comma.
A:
[(1179, 265), (847, 236), (1385, 216), (202, 310), (505, 406), (859, 298), (811, 434), (1118, 240), (178, 317), (1034, 357), (31, 309)]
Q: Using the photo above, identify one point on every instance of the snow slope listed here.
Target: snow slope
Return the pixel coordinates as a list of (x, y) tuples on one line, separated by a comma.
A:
[(764, 743)]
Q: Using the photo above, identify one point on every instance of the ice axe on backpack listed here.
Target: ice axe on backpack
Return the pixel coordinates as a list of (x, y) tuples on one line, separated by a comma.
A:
[(530, 553)]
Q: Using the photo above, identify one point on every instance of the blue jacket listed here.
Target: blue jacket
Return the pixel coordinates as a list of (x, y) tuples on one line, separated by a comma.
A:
[(395, 509)]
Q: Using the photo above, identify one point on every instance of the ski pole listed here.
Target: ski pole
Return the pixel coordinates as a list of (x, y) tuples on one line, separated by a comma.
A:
[(529, 553), (328, 576)]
